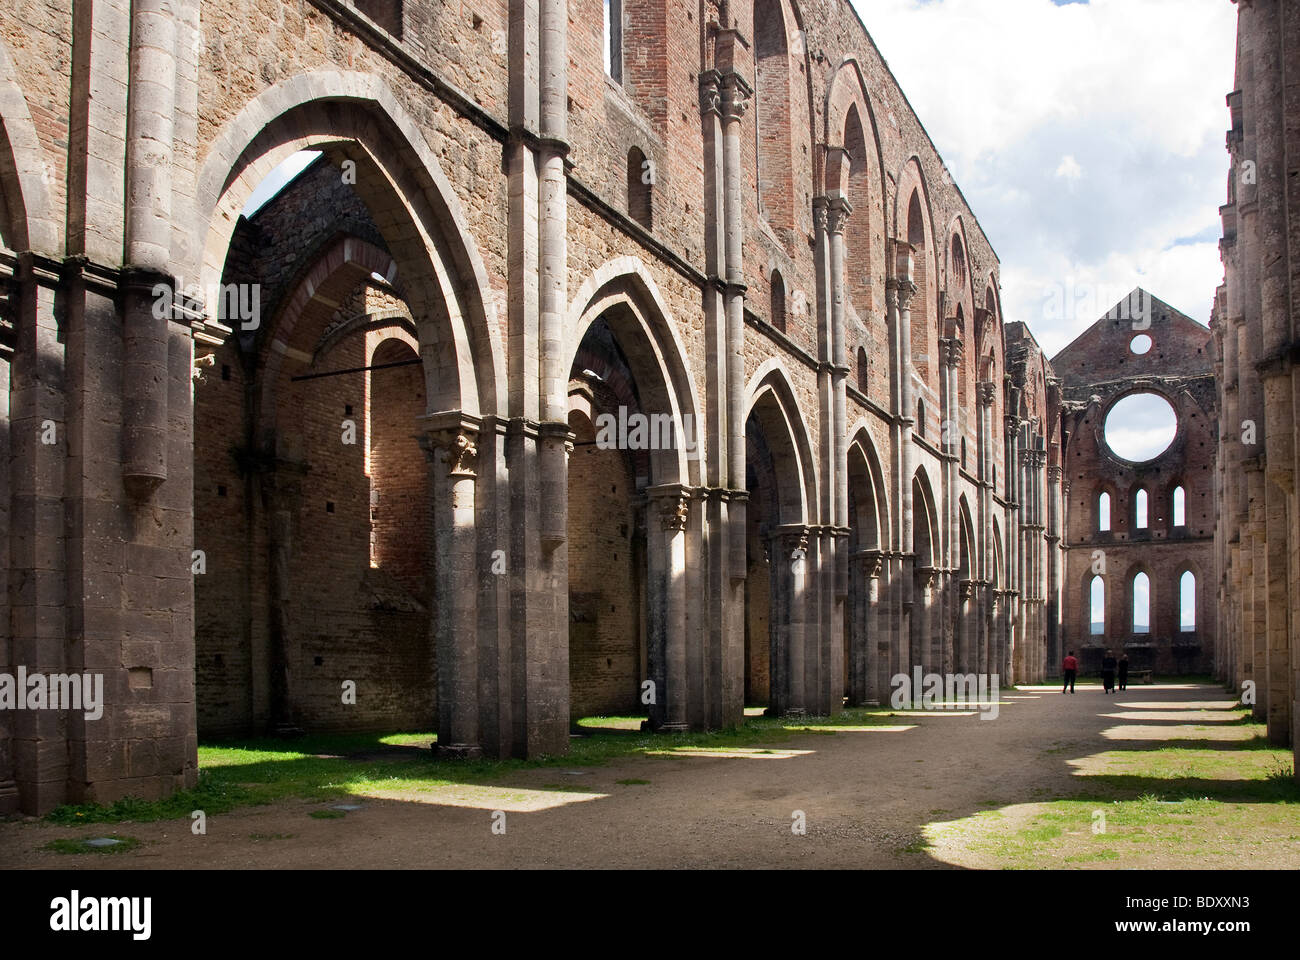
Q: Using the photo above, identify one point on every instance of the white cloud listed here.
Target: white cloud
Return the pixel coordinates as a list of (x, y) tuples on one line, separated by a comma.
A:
[(1123, 100), (1069, 168)]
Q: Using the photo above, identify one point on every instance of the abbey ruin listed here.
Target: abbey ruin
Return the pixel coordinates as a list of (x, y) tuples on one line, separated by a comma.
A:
[(333, 460)]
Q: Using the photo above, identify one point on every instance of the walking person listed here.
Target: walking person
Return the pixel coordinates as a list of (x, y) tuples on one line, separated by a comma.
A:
[(1108, 672), (1069, 667), (1123, 671)]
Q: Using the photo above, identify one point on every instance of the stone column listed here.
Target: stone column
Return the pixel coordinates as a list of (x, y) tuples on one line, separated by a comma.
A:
[(923, 616), (899, 290), (669, 508), (1014, 573), (1054, 653), (790, 588), (951, 355), (726, 506), (149, 145), (451, 443), (865, 568), (987, 394), (965, 615)]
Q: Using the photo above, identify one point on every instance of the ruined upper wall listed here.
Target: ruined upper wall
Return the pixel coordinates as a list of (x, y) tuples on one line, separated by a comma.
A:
[(1180, 347)]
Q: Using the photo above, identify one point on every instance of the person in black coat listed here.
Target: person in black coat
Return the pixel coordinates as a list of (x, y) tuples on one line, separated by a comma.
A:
[(1123, 671), (1108, 672)]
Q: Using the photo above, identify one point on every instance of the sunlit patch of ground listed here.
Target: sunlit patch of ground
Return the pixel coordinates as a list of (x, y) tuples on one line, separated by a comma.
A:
[(733, 753), (1235, 805), (510, 799)]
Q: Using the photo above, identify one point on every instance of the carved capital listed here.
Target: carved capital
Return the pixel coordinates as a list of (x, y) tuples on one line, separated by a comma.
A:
[(956, 351), (820, 216), (673, 501), (458, 449), (735, 94), (710, 93), (902, 292), (837, 215), (988, 392), (872, 562), (452, 439)]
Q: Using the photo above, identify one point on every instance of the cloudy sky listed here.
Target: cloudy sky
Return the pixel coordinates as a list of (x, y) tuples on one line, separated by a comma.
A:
[(1088, 137)]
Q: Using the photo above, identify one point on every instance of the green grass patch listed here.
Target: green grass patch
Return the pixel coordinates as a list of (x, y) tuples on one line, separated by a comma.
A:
[(328, 814), (1170, 801), (260, 770), (79, 845)]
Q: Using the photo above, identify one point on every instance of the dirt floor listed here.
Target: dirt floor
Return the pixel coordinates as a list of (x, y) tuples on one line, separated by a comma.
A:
[(869, 797)]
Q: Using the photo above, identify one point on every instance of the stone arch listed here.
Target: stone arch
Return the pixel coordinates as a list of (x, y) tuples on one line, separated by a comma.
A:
[(623, 292), (1188, 566), (1130, 598), (913, 222), (355, 118), (995, 574), (30, 221), (926, 543), (855, 172), (1089, 579), (770, 398), (967, 555), (869, 518), (343, 264)]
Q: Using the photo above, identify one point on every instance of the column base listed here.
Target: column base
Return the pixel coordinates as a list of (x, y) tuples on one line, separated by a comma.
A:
[(457, 751), (674, 726), (787, 712)]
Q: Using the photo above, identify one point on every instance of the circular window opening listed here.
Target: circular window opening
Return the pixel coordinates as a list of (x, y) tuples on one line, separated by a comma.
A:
[(1140, 344), (1141, 426)]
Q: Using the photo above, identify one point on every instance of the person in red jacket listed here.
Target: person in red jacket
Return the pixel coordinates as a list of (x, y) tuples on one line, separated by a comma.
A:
[(1070, 666)]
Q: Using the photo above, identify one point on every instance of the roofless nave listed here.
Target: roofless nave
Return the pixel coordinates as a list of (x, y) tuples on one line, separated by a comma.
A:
[(384, 445)]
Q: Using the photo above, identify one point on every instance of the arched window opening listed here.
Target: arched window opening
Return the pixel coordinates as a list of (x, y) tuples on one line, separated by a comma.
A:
[(864, 370), (640, 183), (778, 301), (963, 453), (1180, 507), (922, 348), (1187, 602), (1141, 603), (958, 260), (1103, 512), (1140, 510), (920, 418), (1097, 607), (613, 45), (772, 115)]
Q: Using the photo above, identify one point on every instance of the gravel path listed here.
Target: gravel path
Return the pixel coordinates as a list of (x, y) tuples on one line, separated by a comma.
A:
[(865, 795)]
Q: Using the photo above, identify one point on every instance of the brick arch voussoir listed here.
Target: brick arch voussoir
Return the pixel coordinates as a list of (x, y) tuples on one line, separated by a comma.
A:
[(329, 107), (337, 270)]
